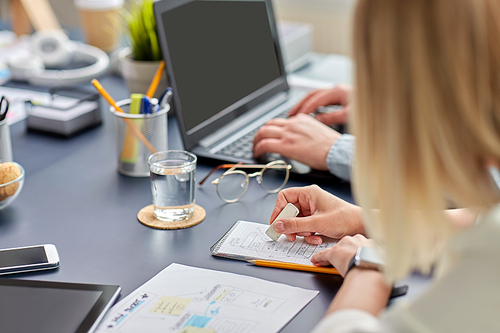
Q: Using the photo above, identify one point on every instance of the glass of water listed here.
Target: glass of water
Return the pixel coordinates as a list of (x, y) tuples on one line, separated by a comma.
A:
[(173, 184)]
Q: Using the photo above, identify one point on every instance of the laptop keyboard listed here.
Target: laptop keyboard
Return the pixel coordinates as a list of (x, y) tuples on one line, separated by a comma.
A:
[(242, 148)]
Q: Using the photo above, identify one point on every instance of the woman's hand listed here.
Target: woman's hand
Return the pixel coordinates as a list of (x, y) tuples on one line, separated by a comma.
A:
[(363, 289), (320, 212), (340, 255)]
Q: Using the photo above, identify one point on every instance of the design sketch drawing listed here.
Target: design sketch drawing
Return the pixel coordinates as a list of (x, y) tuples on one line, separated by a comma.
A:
[(249, 241)]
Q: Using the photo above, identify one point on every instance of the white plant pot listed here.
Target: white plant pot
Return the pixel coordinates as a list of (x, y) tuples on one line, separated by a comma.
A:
[(139, 74)]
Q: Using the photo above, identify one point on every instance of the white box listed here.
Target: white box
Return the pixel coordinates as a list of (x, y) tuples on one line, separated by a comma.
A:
[(296, 40)]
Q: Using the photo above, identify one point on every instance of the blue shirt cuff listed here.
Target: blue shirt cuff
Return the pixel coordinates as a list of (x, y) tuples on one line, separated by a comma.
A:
[(340, 157)]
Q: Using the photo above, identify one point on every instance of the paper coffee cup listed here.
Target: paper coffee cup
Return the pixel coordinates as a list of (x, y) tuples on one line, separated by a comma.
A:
[(100, 21)]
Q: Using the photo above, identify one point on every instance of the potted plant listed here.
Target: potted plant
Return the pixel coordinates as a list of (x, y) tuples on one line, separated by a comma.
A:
[(141, 59)]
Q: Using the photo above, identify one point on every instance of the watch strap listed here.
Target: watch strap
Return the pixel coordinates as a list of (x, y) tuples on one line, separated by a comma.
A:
[(355, 262), (351, 265)]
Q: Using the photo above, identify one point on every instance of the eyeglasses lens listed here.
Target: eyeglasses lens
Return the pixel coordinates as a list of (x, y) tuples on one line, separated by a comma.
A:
[(232, 186), (274, 177)]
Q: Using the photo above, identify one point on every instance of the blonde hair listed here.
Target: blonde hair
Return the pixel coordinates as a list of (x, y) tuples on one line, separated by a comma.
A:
[(427, 119)]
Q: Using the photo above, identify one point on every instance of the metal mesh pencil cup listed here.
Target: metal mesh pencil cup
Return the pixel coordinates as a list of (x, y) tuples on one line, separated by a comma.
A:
[(133, 154)]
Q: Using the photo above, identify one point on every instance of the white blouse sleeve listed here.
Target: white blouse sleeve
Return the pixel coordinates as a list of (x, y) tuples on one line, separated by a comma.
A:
[(464, 296)]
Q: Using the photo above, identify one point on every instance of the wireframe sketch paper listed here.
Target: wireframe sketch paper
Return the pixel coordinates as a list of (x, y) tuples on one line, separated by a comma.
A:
[(186, 299), (248, 241)]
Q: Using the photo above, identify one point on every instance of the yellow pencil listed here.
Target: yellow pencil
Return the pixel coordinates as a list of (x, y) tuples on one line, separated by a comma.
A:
[(131, 125), (297, 267), (156, 80)]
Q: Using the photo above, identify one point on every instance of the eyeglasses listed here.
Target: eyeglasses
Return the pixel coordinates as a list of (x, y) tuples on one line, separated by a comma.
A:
[(232, 185)]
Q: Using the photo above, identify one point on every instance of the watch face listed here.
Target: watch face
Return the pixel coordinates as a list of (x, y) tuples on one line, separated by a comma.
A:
[(369, 254), (367, 257)]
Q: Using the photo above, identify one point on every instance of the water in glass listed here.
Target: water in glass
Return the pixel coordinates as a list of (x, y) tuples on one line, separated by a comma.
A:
[(173, 186)]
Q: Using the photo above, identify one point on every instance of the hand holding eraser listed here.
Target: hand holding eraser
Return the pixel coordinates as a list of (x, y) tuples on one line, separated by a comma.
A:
[(289, 211)]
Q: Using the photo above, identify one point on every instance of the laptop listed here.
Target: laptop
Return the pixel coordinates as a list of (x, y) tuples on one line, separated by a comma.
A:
[(224, 63)]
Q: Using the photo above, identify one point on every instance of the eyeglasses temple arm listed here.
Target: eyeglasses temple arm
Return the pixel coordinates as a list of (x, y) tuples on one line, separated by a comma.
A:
[(222, 166), (231, 166)]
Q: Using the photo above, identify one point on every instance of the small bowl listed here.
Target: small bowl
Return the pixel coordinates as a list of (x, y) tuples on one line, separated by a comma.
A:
[(6, 200)]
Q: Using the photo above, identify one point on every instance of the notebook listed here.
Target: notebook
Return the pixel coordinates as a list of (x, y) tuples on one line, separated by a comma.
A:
[(224, 63), (248, 241)]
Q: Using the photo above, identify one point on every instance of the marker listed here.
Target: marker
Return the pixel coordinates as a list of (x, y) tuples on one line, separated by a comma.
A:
[(295, 267), (289, 211), (135, 105)]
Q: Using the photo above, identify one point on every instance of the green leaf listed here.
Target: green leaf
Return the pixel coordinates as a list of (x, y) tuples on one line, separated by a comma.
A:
[(140, 28)]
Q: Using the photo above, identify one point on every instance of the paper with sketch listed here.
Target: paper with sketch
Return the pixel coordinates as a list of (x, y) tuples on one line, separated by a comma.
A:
[(195, 300), (248, 240)]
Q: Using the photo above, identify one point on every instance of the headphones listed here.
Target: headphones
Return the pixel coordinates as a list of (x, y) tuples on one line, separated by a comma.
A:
[(51, 49)]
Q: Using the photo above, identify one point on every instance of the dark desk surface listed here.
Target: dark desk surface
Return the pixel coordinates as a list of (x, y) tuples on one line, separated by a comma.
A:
[(74, 198)]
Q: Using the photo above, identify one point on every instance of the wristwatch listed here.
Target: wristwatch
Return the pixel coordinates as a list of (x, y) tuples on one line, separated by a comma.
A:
[(366, 257)]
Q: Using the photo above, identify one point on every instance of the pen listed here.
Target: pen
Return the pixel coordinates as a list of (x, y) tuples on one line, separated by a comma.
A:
[(156, 80), (297, 267), (146, 105), (155, 106), (131, 125), (166, 97)]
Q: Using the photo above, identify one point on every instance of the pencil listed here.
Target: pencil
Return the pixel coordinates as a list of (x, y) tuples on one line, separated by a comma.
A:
[(297, 267), (131, 125), (130, 150), (156, 80)]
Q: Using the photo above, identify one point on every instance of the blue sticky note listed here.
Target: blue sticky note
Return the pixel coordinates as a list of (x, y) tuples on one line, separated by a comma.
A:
[(198, 321)]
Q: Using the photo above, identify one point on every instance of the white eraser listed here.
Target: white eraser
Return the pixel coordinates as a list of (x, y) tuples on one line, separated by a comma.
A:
[(289, 211)]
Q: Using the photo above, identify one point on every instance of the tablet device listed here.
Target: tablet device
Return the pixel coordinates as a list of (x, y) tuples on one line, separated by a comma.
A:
[(45, 306)]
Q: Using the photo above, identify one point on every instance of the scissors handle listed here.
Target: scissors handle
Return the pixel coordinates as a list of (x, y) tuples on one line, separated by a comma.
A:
[(4, 107)]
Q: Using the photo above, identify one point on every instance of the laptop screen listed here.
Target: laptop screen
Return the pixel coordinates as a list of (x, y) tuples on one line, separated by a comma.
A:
[(218, 54)]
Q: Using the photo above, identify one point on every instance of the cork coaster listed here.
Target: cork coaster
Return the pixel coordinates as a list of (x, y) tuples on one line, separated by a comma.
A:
[(147, 217)]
